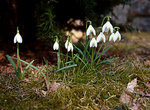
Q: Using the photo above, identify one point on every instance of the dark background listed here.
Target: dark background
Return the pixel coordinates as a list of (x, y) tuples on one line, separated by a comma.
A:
[(31, 18)]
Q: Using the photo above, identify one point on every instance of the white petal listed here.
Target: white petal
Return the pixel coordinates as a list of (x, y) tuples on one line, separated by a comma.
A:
[(19, 38), (110, 27), (66, 44), (107, 26), (93, 43), (104, 27), (100, 37), (118, 35), (69, 47), (111, 37), (90, 30), (115, 37), (15, 39), (56, 46)]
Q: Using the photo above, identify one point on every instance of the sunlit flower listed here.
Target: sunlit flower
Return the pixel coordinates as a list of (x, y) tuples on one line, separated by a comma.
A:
[(112, 37), (93, 43), (70, 47), (117, 35), (18, 38), (90, 30), (107, 27), (100, 37), (66, 44), (56, 45)]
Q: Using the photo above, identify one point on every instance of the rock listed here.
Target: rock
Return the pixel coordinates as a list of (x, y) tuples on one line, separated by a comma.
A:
[(141, 23), (137, 14), (140, 7), (121, 13)]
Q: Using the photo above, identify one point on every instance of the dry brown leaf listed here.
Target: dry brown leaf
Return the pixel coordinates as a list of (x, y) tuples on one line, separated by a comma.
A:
[(54, 86), (147, 62), (126, 98), (131, 85)]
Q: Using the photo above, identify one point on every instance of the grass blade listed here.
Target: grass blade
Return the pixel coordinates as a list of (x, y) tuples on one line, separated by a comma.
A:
[(13, 64), (30, 65), (67, 67), (27, 68)]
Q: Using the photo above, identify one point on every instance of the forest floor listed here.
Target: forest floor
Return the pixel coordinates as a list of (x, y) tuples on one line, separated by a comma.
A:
[(123, 86)]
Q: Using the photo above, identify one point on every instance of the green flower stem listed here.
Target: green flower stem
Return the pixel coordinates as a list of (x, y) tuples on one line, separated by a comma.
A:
[(108, 17), (86, 29), (67, 56), (19, 68), (102, 51), (58, 58), (99, 49), (92, 56), (18, 55), (72, 58)]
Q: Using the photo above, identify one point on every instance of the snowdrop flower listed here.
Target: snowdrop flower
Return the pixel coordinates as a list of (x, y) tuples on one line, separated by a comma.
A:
[(117, 35), (18, 37), (112, 37), (90, 30), (70, 47), (107, 26), (56, 45), (100, 37), (66, 44), (93, 43)]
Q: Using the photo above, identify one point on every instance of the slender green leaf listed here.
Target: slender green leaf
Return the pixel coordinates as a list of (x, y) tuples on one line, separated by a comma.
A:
[(69, 62), (27, 68), (102, 53), (79, 50), (79, 59), (67, 67), (13, 64), (30, 65), (108, 61)]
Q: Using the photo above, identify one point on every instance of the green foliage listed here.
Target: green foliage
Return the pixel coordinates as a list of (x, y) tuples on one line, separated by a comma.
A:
[(46, 26), (18, 73)]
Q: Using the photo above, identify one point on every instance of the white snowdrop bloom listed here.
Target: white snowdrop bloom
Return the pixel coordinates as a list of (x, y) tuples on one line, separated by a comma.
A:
[(66, 44), (100, 37), (56, 46), (18, 38), (93, 43), (107, 26), (112, 37), (90, 30), (117, 35), (70, 47)]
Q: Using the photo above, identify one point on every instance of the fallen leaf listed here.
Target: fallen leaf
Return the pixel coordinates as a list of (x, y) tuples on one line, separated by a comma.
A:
[(126, 98), (147, 62), (131, 85), (54, 86)]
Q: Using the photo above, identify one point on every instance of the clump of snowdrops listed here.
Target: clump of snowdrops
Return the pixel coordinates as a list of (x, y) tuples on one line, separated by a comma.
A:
[(88, 55)]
